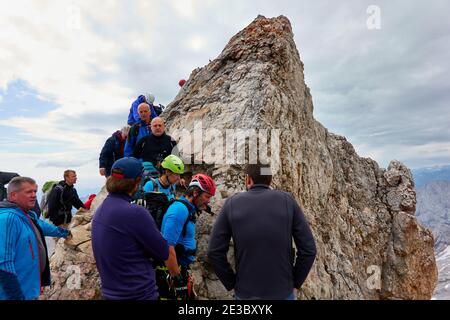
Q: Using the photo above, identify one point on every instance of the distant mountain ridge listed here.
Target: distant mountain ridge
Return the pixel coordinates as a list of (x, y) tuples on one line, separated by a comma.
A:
[(433, 210), (422, 176)]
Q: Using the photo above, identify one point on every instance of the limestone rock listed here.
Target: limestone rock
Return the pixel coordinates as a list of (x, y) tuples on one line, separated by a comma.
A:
[(370, 245), (74, 273)]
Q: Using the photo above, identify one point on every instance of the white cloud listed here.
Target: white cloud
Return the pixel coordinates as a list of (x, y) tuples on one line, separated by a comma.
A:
[(94, 58), (187, 9), (196, 43)]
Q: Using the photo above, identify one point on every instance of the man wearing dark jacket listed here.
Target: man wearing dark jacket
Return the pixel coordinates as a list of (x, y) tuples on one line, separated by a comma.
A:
[(156, 146), (262, 223), (62, 198), (133, 116), (138, 130), (112, 150)]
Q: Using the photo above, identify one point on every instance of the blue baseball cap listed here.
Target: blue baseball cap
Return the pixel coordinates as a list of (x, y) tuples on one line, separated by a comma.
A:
[(126, 168)]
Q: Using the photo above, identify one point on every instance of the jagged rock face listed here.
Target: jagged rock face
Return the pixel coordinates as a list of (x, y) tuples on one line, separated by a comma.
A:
[(370, 245), (74, 273)]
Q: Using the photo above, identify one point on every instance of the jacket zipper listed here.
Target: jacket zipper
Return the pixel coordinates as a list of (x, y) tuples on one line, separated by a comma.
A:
[(39, 252), (31, 248)]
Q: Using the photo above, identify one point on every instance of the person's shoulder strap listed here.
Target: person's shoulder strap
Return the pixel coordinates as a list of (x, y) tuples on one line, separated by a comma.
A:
[(155, 185), (61, 188), (191, 215), (187, 205)]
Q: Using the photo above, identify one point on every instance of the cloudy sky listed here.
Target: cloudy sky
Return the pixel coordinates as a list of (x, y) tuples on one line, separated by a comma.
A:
[(69, 71)]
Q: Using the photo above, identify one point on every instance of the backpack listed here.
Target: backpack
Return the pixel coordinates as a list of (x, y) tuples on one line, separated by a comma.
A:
[(157, 204), (3, 192), (159, 109), (134, 131), (47, 188), (147, 175)]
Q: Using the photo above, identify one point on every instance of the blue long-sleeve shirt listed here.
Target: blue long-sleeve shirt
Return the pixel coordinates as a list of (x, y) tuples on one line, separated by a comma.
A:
[(169, 191), (124, 240), (172, 228)]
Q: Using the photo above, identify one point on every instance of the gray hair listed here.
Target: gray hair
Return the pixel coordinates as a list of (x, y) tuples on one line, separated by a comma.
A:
[(15, 185), (125, 130), (143, 104)]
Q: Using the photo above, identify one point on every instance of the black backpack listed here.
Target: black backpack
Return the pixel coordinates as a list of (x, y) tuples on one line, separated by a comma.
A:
[(3, 192), (157, 204), (159, 109)]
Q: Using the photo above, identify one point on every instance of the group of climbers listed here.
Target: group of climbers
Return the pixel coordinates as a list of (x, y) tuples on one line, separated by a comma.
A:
[(147, 175), (155, 239), (144, 232)]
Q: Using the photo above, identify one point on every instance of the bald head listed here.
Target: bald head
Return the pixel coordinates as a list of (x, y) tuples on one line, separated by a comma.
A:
[(144, 112), (158, 126)]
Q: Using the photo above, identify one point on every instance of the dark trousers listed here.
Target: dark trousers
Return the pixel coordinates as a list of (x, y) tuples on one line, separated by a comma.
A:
[(179, 288)]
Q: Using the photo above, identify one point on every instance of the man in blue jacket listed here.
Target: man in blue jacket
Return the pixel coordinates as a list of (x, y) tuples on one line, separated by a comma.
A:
[(138, 130), (133, 116), (24, 265), (262, 222)]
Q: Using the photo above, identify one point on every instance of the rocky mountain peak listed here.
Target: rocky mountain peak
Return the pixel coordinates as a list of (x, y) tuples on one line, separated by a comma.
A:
[(252, 102)]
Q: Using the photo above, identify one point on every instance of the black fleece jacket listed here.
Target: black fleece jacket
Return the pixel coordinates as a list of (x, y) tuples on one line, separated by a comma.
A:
[(262, 223)]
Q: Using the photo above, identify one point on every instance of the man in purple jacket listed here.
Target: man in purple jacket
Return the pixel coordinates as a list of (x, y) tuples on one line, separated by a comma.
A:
[(125, 239)]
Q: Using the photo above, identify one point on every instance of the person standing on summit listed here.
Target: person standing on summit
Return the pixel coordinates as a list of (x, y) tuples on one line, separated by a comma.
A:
[(133, 116), (24, 265), (138, 130), (62, 198), (157, 146), (262, 222), (112, 150)]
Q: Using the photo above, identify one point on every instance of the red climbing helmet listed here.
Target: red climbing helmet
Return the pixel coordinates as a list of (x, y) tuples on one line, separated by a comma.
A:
[(204, 182), (181, 82)]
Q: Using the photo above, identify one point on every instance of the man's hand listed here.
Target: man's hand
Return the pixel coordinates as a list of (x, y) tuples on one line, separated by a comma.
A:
[(102, 171), (172, 263), (69, 236)]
